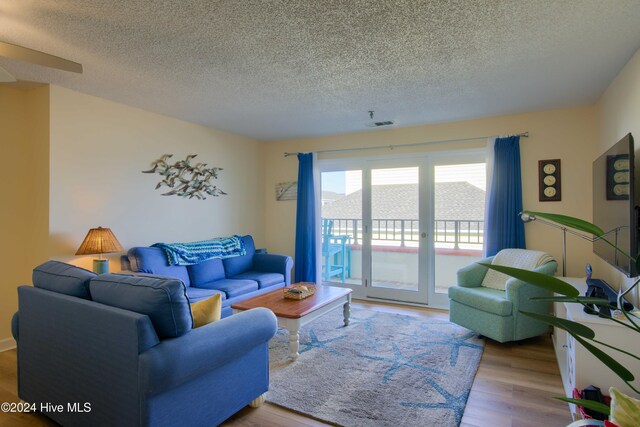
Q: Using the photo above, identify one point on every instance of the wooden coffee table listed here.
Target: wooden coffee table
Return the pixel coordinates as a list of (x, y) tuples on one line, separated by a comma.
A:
[(293, 314)]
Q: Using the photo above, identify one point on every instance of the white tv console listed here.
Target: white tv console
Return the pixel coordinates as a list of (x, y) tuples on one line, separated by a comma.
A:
[(578, 367)]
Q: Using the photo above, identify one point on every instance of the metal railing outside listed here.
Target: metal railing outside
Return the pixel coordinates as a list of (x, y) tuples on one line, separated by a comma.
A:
[(451, 231)]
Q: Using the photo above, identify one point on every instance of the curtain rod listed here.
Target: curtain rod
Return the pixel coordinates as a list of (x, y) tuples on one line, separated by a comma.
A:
[(391, 147)]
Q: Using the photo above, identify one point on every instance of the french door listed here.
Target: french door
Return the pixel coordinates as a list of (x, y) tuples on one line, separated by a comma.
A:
[(380, 232), (395, 217)]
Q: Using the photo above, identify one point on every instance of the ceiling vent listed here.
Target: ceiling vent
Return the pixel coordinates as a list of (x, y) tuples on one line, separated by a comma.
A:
[(378, 124)]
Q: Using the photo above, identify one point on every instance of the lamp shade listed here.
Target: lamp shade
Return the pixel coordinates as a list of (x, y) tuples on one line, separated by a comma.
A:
[(99, 241)]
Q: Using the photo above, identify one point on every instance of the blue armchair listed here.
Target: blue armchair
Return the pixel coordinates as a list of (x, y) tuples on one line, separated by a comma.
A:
[(495, 313), (72, 349)]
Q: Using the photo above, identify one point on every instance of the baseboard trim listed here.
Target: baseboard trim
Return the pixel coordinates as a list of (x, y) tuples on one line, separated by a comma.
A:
[(7, 344)]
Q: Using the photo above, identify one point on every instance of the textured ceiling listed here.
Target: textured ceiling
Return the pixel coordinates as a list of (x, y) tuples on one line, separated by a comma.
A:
[(291, 68)]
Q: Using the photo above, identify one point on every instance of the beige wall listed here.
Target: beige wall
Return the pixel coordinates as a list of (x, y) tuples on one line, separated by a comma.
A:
[(567, 134), (24, 129), (73, 161), (98, 150), (618, 114)]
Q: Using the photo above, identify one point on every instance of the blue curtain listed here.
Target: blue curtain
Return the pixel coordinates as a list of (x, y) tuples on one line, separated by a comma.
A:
[(504, 228), (305, 256)]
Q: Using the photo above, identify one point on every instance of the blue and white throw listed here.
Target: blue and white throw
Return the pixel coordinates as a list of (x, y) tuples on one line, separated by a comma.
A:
[(196, 252)]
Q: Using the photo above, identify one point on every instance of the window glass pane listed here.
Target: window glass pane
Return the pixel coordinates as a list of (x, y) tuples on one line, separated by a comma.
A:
[(459, 219), (395, 228), (341, 213)]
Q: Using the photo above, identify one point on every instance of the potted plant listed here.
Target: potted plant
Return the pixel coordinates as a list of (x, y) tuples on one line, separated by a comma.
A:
[(567, 293)]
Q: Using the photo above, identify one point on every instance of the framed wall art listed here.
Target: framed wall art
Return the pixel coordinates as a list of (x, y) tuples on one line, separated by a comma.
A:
[(549, 189), (618, 172), (287, 190)]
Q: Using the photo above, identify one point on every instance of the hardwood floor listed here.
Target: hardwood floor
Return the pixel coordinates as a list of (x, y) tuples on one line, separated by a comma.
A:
[(514, 387)]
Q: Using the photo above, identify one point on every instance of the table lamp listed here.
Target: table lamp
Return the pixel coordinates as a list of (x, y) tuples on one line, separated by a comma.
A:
[(100, 241)]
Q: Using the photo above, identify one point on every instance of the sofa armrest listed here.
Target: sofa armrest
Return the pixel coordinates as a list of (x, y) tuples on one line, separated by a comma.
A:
[(274, 263), (472, 275), (125, 264), (176, 361), (14, 325), (520, 293)]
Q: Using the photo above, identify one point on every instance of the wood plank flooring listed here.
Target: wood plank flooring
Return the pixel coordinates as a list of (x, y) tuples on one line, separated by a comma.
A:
[(514, 387)]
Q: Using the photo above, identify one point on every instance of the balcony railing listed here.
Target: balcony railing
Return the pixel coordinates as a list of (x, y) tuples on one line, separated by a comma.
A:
[(450, 231)]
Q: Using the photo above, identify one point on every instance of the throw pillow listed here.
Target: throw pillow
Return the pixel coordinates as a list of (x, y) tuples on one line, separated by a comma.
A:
[(625, 410), (206, 311)]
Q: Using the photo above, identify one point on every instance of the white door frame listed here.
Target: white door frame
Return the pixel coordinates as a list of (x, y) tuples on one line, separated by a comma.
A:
[(421, 295)]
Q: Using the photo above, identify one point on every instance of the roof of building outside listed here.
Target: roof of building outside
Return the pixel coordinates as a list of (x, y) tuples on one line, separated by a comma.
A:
[(454, 201)]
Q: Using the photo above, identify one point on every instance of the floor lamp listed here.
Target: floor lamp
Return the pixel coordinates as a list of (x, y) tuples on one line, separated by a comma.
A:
[(526, 217), (529, 218)]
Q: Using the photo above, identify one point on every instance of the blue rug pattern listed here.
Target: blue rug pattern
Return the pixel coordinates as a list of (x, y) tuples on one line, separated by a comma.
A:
[(382, 370)]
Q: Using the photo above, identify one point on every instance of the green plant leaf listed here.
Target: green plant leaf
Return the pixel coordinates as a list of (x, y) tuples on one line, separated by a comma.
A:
[(572, 327), (611, 363), (540, 280), (569, 221), (589, 404)]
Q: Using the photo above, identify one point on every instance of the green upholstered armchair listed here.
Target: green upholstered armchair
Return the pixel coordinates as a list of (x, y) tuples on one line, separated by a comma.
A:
[(495, 313)]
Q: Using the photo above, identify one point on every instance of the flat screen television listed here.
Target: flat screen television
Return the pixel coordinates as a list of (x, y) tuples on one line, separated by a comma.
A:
[(615, 204)]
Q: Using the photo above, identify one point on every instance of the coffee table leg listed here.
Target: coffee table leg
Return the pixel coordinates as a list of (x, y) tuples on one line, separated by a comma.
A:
[(346, 310), (294, 343)]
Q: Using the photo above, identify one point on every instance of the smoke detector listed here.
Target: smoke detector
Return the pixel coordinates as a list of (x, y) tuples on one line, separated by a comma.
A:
[(375, 124)]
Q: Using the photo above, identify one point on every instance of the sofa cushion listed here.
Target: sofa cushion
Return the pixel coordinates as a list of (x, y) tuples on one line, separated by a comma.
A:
[(197, 294), (206, 271), (154, 261), (227, 303), (485, 299), (234, 288), (163, 300), (239, 264), (264, 279), (63, 278), (206, 311)]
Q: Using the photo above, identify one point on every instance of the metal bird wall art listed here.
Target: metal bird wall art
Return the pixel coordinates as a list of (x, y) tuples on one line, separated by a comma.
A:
[(184, 179)]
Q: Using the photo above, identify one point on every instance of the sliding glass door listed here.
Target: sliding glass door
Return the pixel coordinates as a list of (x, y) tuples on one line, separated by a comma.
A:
[(372, 219), (457, 235), (399, 228), (395, 244), (342, 227)]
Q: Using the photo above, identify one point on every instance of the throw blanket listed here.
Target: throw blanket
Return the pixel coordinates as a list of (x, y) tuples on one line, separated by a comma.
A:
[(519, 258), (196, 252)]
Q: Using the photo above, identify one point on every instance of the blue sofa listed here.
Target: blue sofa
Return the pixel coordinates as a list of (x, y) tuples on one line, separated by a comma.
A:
[(236, 278), (121, 349)]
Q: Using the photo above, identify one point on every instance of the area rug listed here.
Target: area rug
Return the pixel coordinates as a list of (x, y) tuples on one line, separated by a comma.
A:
[(381, 370)]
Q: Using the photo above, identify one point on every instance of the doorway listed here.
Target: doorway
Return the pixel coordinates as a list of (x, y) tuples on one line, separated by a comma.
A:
[(398, 228)]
